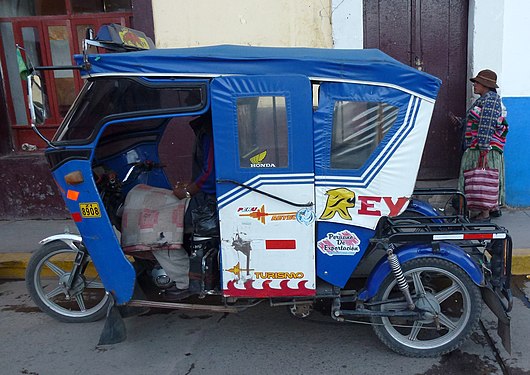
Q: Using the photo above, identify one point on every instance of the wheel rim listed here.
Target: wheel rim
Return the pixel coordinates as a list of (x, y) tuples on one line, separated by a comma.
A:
[(443, 294), (87, 295)]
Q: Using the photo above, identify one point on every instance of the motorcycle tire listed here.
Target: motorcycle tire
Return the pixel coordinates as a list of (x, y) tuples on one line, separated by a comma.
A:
[(46, 274), (451, 302)]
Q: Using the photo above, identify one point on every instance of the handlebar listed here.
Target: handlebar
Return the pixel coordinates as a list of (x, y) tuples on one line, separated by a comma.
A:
[(137, 168)]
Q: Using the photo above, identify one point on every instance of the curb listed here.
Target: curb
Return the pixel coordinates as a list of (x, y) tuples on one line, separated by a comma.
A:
[(521, 262), (13, 265)]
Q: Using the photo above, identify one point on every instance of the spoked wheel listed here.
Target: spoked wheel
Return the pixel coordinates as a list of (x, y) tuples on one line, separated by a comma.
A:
[(449, 301), (47, 279)]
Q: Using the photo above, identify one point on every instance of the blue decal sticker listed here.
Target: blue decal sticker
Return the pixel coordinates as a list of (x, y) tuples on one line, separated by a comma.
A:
[(305, 216)]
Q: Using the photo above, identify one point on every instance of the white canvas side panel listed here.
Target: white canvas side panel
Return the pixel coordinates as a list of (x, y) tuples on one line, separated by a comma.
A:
[(385, 189), (268, 245)]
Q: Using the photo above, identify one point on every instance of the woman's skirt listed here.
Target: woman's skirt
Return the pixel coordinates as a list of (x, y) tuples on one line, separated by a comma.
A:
[(495, 161)]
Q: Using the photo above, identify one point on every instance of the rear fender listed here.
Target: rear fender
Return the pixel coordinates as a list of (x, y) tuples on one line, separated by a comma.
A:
[(447, 251), (423, 208)]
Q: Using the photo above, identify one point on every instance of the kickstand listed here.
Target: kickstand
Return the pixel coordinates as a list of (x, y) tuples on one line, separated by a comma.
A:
[(114, 330)]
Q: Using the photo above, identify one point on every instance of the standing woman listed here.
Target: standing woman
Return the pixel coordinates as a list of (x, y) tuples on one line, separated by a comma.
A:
[(485, 135)]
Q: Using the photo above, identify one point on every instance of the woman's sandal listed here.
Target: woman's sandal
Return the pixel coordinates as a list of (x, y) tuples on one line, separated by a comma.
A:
[(496, 213), (480, 219)]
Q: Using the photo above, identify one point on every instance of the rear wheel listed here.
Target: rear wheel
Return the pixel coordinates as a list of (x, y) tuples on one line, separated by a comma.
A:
[(47, 276), (450, 303)]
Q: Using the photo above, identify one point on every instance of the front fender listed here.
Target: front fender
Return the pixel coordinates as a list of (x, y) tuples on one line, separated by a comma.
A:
[(67, 238), (447, 251), (114, 269)]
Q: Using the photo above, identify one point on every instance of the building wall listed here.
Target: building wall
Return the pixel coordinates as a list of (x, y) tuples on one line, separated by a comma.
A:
[(347, 21), (499, 41), (300, 23), (516, 96), (485, 38)]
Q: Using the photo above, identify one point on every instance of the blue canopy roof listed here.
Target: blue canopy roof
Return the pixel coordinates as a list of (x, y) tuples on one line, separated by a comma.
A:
[(369, 65)]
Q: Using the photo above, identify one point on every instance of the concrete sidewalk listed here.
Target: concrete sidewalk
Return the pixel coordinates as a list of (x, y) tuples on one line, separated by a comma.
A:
[(19, 238), (517, 221)]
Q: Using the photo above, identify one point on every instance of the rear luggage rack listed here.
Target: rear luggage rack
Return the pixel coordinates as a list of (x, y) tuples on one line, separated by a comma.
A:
[(451, 228)]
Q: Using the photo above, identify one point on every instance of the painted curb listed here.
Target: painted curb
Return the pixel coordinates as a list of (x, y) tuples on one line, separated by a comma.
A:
[(13, 265), (521, 262)]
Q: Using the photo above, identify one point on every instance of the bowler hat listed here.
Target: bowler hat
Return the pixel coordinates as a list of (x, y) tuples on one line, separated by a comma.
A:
[(486, 78)]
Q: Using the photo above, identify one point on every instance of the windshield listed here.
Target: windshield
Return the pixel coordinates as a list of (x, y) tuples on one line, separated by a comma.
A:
[(103, 99)]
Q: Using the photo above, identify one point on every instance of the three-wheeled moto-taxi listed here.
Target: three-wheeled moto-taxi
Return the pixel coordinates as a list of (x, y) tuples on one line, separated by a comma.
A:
[(315, 158)]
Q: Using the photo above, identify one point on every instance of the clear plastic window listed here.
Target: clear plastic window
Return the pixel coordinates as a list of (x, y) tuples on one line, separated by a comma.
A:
[(358, 128), (262, 128), (119, 97)]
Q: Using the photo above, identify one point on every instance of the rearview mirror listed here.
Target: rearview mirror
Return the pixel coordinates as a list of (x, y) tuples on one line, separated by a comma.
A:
[(37, 100)]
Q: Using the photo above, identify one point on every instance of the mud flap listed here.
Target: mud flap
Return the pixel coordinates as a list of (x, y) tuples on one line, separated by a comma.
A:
[(114, 330), (494, 302)]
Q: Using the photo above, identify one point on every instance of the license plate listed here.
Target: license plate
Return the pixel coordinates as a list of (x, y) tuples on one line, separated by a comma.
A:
[(89, 210)]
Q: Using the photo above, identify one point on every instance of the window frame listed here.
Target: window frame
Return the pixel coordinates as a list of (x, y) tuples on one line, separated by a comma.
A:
[(153, 82), (376, 125), (278, 161)]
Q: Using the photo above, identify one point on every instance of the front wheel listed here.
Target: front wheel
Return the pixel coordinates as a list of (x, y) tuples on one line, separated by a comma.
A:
[(81, 300), (449, 301)]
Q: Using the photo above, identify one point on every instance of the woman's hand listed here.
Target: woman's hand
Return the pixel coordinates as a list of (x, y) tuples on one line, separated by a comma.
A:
[(455, 120)]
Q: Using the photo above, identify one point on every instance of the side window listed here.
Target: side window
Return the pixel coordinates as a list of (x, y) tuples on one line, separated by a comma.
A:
[(104, 97), (262, 129), (358, 128)]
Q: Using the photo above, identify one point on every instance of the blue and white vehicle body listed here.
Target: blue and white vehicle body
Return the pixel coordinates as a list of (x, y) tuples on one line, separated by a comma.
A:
[(316, 152), (327, 236)]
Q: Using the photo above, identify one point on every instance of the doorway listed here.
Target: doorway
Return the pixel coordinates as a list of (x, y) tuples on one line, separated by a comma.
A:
[(429, 35)]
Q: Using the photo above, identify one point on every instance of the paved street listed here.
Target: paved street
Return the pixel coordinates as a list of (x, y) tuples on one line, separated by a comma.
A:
[(262, 340)]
